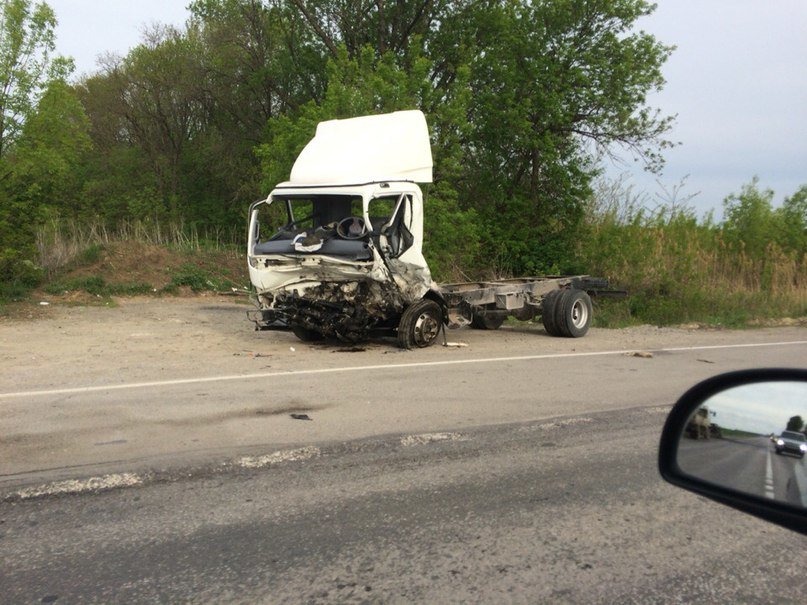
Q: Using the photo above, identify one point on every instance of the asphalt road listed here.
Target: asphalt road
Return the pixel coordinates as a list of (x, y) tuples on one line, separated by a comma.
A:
[(171, 383), (567, 511), (148, 453), (749, 465)]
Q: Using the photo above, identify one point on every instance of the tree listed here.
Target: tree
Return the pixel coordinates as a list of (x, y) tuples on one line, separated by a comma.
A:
[(356, 24), (793, 222), (555, 83), (51, 150), (750, 223), (158, 106), (26, 64), (32, 152), (795, 423)]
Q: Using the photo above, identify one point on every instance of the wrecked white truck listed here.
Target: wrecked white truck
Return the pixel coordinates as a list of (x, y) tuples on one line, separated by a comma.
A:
[(336, 252)]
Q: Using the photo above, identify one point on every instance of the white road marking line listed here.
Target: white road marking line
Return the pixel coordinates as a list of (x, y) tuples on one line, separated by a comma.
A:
[(78, 486), (371, 368), (769, 479), (304, 453), (424, 438)]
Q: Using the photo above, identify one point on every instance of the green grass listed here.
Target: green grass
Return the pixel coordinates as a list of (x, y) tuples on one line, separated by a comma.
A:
[(197, 279), (14, 292), (97, 286)]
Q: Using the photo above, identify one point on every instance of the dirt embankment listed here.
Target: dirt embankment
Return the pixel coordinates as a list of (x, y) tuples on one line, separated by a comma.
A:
[(106, 274)]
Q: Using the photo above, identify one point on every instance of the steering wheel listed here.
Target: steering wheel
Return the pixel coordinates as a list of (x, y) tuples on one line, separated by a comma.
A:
[(352, 227)]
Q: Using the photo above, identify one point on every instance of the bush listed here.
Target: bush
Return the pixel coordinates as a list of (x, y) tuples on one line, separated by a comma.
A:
[(197, 279)]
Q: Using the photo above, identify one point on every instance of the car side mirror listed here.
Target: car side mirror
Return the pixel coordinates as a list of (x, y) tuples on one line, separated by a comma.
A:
[(738, 439)]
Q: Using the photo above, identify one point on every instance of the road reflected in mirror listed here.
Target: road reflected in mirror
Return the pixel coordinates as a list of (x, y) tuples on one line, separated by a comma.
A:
[(752, 439)]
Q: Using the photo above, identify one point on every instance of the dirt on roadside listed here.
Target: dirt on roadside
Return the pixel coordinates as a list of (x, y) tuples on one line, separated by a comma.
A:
[(94, 277)]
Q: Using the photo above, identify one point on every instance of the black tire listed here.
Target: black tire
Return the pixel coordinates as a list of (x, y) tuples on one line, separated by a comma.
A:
[(420, 324), (573, 313), (486, 322), (307, 335), (548, 306)]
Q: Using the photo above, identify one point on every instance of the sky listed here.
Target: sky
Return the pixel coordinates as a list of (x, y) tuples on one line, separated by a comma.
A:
[(762, 408), (737, 83)]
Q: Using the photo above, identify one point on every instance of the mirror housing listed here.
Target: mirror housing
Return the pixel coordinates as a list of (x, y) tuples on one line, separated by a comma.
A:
[(696, 398)]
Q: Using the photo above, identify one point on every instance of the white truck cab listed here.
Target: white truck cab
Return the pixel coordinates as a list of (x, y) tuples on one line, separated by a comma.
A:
[(337, 250)]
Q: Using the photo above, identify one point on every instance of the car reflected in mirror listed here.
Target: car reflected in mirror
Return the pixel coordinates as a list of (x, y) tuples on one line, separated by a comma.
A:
[(727, 441), (739, 438)]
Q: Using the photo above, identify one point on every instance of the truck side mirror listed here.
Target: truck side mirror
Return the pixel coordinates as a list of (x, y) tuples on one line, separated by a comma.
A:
[(738, 439)]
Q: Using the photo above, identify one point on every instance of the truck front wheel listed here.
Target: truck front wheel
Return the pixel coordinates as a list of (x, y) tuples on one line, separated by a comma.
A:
[(420, 324)]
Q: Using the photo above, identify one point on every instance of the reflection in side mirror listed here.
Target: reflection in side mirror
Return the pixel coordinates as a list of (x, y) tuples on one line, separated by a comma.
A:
[(733, 438), (739, 438)]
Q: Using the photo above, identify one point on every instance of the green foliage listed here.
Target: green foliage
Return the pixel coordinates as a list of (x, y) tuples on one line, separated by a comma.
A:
[(98, 286), (35, 141), (792, 233), (26, 65), (13, 291), (91, 254), (42, 173), (46, 162), (17, 241), (550, 81), (678, 270), (197, 279), (795, 423), (750, 224)]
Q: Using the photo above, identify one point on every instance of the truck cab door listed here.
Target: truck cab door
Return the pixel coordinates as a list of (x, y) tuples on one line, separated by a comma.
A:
[(395, 236)]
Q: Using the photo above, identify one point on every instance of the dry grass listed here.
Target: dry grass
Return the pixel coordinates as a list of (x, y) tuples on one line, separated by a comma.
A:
[(62, 244), (678, 271)]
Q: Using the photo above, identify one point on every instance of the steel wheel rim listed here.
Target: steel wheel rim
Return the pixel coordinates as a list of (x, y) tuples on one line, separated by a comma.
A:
[(579, 314), (426, 329)]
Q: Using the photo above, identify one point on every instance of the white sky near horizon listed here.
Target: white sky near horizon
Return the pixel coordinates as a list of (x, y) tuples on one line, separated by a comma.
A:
[(737, 82), (762, 408)]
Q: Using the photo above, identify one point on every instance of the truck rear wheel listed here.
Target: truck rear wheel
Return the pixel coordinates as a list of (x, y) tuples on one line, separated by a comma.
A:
[(572, 313), (420, 324), (548, 306), (481, 321)]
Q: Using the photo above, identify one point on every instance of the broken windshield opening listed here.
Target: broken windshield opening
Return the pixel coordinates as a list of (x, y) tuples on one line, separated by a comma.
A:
[(331, 225), (288, 217)]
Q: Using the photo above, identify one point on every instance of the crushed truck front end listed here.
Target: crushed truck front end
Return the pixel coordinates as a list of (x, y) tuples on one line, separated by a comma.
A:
[(337, 261)]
